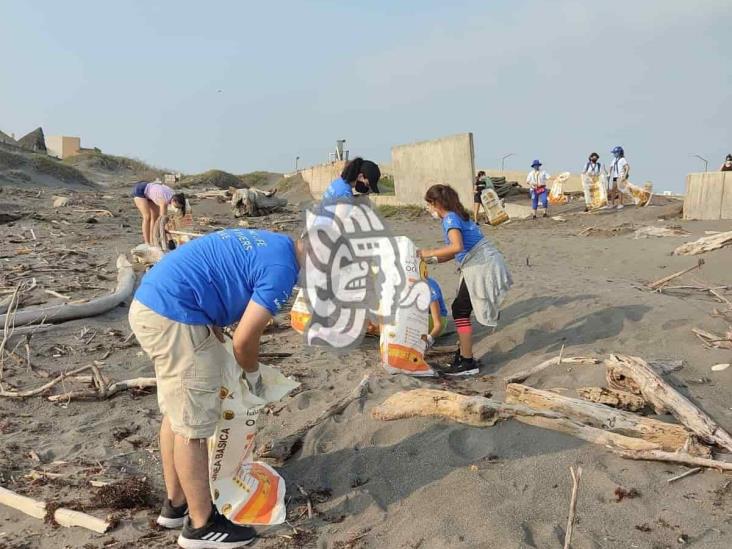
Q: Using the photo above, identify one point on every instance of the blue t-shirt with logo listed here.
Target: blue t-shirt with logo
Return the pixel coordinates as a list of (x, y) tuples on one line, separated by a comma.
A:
[(338, 190), (211, 279), (436, 295), (470, 231)]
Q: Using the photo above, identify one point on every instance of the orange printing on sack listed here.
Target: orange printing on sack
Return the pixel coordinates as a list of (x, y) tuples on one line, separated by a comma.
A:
[(406, 358), (260, 504)]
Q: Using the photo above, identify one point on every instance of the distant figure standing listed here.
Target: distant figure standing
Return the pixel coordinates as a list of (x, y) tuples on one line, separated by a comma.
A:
[(593, 168), (153, 199), (727, 166), (537, 180), (619, 170), (480, 184)]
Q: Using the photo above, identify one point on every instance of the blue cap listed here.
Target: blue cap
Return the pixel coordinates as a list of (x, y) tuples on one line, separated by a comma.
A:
[(535, 163)]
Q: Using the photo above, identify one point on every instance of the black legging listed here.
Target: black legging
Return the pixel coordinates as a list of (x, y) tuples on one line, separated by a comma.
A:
[(462, 306)]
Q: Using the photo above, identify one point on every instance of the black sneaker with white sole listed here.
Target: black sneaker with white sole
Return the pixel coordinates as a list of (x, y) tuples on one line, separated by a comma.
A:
[(172, 517), (219, 533), (461, 366)]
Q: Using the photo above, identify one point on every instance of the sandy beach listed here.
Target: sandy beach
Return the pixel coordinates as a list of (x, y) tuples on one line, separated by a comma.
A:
[(415, 483)]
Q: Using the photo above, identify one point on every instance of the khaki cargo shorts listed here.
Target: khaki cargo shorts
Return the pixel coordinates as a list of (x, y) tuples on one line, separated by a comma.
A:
[(188, 364)]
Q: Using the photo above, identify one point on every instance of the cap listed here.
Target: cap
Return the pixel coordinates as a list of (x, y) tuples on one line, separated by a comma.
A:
[(371, 171)]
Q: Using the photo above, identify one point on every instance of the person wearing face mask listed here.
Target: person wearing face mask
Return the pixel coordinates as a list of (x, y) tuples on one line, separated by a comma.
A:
[(359, 175), (153, 200), (619, 171), (484, 277), (592, 171), (537, 180), (727, 166)]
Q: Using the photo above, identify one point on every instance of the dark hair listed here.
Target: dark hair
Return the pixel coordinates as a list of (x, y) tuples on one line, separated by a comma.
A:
[(180, 200), (728, 157), (481, 173), (446, 197), (595, 155), (352, 169)]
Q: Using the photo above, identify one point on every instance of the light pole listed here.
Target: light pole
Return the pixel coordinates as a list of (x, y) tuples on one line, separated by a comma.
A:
[(503, 159), (297, 158), (706, 162)]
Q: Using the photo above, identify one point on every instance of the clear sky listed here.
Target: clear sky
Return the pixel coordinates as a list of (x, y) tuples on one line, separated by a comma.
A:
[(552, 79)]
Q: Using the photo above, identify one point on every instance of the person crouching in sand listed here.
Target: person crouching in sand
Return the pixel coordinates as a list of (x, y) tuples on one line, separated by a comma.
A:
[(177, 315), (484, 277), (153, 199)]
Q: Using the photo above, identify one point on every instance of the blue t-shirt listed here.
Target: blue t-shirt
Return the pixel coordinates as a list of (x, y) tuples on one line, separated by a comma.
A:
[(338, 190), (436, 295), (211, 279), (471, 232)]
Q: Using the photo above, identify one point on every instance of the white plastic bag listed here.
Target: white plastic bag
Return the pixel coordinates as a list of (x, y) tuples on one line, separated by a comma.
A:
[(401, 344), (245, 491)]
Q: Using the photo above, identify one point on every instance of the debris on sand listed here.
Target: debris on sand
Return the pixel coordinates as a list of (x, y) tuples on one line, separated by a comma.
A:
[(623, 493), (131, 493)]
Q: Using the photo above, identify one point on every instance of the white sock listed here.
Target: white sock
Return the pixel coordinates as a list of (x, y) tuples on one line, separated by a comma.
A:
[(252, 377)]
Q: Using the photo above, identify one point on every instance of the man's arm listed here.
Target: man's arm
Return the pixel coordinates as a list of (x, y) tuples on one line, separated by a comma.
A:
[(247, 335)]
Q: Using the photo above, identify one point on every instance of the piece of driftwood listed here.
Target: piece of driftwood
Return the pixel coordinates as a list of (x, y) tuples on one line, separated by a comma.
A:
[(103, 390), (72, 311), (661, 282), (685, 474), (612, 397), (662, 397), (46, 386), (518, 377), (483, 412), (666, 435), (674, 457), (646, 232), (282, 448), (710, 339), (705, 244), (576, 475), (65, 517), (254, 203), (101, 212)]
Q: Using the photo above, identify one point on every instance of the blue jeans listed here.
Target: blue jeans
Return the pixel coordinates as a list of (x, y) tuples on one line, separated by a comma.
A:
[(535, 198)]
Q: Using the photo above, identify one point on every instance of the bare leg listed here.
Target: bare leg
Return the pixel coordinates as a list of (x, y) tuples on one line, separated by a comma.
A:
[(144, 206), (172, 484), (154, 215), (191, 465), (466, 345), (476, 208)]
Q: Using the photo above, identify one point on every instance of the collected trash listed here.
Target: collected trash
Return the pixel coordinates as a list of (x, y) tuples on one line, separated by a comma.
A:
[(493, 207), (556, 194)]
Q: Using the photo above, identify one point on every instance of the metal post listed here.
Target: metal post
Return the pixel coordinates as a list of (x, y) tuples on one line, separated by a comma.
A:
[(297, 158), (503, 159), (706, 162)]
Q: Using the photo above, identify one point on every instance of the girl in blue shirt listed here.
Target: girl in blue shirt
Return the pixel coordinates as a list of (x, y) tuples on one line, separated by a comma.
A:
[(359, 174), (462, 236)]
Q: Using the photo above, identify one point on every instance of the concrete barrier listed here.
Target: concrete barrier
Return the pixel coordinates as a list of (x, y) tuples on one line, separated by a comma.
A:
[(708, 196), (417, 166), (320, 176)]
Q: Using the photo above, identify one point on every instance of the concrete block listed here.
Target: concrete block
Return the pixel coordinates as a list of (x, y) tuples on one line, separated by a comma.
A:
[(707, 195), (418, 166)]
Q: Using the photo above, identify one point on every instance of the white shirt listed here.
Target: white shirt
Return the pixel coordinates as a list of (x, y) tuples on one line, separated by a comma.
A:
[(592, 168), (617, 167), (537, 178)]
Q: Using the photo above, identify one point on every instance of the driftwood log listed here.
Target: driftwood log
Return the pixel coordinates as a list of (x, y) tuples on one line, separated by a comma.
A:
[(661, 282), (255, 203), (483, 412), (634, 374), (65, 517), (72, 311), (281, 449), (705, 244), (521, 376), (675, 457), (667, 436), (621, 400)]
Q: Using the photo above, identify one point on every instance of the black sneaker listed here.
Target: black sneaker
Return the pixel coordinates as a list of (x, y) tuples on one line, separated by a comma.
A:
[(461, 367), (220, 532), (172, 517)]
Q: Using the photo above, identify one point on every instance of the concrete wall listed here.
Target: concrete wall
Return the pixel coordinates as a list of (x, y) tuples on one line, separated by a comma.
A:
[(319, 177), (62, 146), (708, 196), (418, 166), (572, 185)]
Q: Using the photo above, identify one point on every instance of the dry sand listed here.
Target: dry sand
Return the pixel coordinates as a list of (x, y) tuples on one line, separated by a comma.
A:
[(418, 483)]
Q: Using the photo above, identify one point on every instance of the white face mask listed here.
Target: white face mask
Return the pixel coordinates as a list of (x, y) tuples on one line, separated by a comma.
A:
[(433, 213)]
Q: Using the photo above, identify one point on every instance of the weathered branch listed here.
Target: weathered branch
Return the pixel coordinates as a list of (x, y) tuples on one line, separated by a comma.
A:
[(621, 400), (71, 311), (519, 377), (705, 244), (662, 397)]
